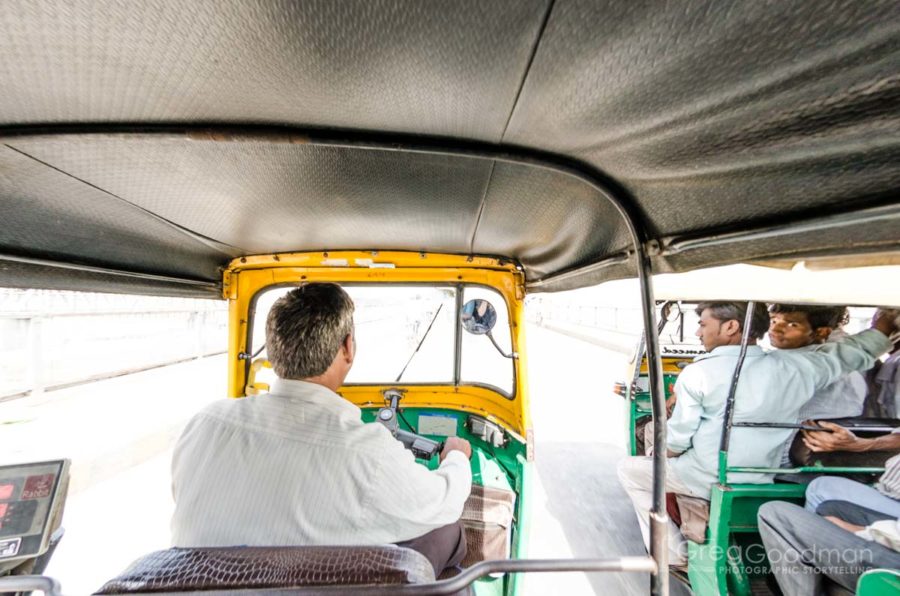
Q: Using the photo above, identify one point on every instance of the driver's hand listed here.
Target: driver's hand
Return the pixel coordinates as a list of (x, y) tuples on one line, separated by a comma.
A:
[(670, 404), (457, 444)]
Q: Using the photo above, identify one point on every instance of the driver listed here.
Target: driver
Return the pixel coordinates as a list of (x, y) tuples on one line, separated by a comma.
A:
[(297, 466)]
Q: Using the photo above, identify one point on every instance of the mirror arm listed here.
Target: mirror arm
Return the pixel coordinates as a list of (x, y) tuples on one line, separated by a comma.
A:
[(514, 355)]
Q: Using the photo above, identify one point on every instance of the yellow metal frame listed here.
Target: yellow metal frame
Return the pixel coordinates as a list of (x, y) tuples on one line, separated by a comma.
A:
[(669, 365), (247, 276)]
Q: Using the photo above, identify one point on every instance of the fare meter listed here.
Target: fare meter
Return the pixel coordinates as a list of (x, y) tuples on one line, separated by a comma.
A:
[(31, 503)]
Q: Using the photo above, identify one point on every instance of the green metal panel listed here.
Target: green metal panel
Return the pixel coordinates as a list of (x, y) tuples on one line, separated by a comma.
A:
[(878, 582), (639, 407), (720, 565), (641, 399), (522, 529), (817, 468), (504, 468), (746, 499)]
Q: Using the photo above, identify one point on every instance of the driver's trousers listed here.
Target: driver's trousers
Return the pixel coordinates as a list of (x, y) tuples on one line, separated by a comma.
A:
[(444, 547)]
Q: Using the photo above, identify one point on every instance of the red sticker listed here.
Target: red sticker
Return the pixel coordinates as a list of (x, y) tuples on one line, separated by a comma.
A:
[(3, 507), (6, 491), (38, 487)]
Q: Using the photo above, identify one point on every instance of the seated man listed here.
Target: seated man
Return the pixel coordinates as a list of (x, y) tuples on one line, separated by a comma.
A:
[(828, 543), (883, 497), (298, 466), (773, 386), (840, 446), (883, 400), (796, 327), (825, 554)]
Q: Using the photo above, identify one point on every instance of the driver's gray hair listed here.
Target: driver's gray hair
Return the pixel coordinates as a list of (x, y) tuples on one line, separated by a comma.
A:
[(305, 329)]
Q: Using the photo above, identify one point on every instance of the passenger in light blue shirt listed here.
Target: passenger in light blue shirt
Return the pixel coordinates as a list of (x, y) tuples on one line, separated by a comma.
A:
[(773, 387)]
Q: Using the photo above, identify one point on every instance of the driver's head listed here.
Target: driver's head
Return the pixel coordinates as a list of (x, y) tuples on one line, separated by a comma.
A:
[(309, 329)]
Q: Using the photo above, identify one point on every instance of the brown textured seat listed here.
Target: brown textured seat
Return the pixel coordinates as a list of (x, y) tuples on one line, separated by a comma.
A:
[(187, 569), (487, 518)]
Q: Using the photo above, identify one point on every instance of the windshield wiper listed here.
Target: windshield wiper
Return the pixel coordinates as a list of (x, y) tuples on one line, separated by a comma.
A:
[(421, 341)]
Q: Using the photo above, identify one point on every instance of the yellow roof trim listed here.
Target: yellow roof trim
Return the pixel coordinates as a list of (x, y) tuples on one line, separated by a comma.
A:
[(373, 259)]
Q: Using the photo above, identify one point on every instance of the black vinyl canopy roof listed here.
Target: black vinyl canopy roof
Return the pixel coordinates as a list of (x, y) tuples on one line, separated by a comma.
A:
[(145, 145)]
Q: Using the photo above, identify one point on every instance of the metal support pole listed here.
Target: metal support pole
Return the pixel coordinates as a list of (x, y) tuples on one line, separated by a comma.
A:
[(457, 337), (36, 377), (25, 584), (659, 517), (732, 390)]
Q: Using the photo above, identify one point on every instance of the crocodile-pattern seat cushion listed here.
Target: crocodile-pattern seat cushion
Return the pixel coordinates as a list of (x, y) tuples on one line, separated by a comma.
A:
[(184, 569)]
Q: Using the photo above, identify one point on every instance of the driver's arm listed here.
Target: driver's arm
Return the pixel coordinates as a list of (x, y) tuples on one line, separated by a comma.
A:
[(408, 499)]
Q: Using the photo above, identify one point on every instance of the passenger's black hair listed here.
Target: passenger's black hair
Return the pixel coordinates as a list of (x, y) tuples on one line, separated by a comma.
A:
[(727, 311), (818, 316)]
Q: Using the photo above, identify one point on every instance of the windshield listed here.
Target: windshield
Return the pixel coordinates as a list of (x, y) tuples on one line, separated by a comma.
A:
[(679, 330), (407, 335), (406, 330)]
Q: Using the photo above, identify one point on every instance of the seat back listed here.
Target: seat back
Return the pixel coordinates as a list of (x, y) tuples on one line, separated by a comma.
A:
[(718, 566), (190, 569), (738, 504)]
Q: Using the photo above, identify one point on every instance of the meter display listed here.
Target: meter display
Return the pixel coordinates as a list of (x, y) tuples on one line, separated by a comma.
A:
[(28, 506)]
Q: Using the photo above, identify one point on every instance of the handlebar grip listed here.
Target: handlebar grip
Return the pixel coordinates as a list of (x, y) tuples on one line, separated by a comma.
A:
[(421, 447)]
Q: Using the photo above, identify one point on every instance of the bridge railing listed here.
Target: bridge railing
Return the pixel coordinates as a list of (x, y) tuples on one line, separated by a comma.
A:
[(42, 351)]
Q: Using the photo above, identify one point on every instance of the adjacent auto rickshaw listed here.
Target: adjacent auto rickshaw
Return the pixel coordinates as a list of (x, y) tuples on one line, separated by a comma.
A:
[(481, 150), (678, 346), (727, 556)]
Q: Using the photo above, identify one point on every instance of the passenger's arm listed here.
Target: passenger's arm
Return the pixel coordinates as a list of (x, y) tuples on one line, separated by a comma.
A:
[(686, 416), (857, 352), (844, 440)]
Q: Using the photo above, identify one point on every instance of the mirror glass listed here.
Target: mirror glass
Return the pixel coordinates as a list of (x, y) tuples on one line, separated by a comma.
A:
[(478, 316)]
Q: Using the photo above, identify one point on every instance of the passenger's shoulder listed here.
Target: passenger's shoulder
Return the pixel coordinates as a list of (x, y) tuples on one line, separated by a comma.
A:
[(701, 366), (694, 373)]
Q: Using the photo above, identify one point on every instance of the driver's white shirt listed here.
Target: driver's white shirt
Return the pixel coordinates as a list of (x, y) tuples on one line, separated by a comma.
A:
[(298, 467)]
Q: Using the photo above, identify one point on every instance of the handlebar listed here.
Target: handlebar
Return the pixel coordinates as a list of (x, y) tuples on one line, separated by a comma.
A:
[(421, 447)]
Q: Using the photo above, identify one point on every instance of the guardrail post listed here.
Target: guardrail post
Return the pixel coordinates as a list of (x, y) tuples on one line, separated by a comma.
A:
[(35, 380)]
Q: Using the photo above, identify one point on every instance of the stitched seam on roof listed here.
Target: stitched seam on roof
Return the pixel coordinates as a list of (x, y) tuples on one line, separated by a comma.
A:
[(209, 242), (534, 49), (484, 195)]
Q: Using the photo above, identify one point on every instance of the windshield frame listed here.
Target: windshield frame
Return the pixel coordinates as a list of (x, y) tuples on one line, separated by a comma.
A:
[(458, 289)]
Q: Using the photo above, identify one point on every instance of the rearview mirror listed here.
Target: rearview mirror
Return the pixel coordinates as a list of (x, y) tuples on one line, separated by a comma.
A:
[(478, 316)]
